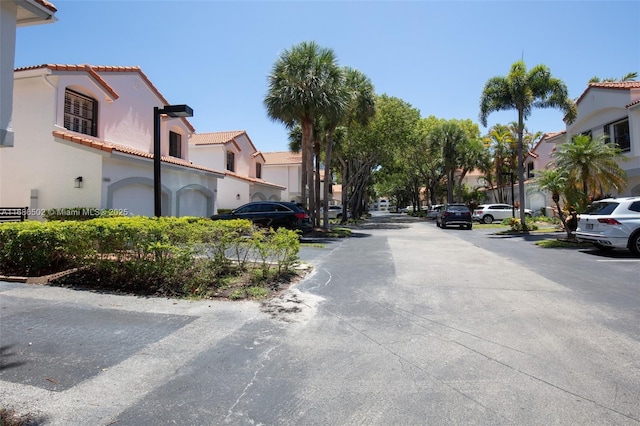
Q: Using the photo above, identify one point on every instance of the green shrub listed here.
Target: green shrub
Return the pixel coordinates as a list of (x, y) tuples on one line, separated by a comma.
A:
[(172, 256), (516, 225)]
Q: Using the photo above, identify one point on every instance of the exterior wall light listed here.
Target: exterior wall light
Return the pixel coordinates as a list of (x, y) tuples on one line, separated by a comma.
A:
[(77, 182)]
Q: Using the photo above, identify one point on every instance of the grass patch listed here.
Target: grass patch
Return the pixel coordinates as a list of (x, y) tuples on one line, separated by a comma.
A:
[(495, 225), (556, 243)]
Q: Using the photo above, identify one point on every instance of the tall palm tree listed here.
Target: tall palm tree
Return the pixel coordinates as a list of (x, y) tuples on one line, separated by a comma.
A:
[(591, 166), (502, 144), (446, 139), (302, 86), (523, 91)]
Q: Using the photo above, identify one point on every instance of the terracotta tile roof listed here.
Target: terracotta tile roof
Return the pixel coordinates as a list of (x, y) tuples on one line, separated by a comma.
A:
[(94, 72), (552, 135), (47, 4), (282, 157), (109, 147), (615, 85), (255, 180), (215, 138)]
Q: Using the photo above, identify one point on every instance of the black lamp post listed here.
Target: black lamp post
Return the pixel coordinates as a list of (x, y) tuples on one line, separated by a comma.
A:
[(513, 206), (171, 111)]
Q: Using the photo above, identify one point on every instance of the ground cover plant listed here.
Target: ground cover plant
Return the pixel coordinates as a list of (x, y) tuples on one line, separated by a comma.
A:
[(175, 257)]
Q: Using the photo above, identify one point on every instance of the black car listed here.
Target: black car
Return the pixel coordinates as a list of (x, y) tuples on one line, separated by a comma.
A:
[(454, 214), (271, 214)]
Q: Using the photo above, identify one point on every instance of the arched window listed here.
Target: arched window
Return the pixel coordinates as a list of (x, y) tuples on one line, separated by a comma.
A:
[(80, 113)]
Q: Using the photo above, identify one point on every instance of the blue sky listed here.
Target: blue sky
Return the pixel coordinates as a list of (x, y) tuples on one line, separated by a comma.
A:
[(436, 55)]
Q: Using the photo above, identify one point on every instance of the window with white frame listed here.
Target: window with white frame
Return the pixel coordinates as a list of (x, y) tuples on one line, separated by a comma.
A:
[(231, 159), (618, 133), (80, 113), (175, 144)]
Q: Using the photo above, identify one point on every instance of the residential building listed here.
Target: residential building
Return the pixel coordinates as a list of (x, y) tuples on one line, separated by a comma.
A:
[(14, 14), (84, 137), (245, 169), (285, 169), (612, 110)]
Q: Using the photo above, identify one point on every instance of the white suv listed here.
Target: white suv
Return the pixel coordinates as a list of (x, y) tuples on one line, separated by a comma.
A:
[(488, 213), (612, 223)]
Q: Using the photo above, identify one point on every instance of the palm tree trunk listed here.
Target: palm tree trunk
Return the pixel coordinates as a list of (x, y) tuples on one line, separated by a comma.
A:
[(327, 178), (521, 169), (307, 133)]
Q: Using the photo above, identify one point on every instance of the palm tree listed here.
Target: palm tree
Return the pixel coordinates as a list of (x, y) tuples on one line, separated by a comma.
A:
[(630, 76), (523, 91), (501, 143), (446, 139), (555, 182), (302, 87), (591, 166)]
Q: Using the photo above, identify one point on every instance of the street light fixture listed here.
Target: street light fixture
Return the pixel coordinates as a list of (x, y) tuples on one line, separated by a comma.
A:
[(171, 111), (513, 204)]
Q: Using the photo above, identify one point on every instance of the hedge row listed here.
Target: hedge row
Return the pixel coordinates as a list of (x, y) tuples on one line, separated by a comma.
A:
[(171, 255)]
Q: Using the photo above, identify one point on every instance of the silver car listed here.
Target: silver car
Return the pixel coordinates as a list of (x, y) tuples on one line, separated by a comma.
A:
[(612, 223)]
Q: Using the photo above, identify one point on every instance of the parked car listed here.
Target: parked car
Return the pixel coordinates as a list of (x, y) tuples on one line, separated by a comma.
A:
[(407, 209), (271, 214), (612, 223), (335, 212), (454, 214), (432, 212), (488, 213)]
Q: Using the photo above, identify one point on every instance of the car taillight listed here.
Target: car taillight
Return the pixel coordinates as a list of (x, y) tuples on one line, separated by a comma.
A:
[(609, 221), (301, 216), (478, 211)]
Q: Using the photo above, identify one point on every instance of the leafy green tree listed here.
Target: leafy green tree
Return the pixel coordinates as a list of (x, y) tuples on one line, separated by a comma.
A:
[(304, 84), (359, 109), (524, 90), (591, 166), (375, 145)]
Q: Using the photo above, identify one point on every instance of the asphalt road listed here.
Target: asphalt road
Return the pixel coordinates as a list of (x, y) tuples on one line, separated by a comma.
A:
[(402, 324)]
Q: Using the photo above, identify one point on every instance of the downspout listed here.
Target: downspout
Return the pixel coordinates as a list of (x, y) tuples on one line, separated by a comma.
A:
[(55, 91)]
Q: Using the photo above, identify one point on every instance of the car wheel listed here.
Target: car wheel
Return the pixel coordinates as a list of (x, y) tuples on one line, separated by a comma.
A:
[(487, 219), (470, 226), (634, 244)]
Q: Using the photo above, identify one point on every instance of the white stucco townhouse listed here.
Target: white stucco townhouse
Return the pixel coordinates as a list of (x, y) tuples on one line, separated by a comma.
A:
[(84, 138), (612, 109), (14, 14), (284, 168), (244, 167)]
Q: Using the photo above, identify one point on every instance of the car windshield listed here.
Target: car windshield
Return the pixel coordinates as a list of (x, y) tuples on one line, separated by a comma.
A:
[(458, 208), (602, 208)]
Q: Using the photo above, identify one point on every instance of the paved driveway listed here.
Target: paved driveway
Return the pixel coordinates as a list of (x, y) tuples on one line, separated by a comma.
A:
[(403, 323)]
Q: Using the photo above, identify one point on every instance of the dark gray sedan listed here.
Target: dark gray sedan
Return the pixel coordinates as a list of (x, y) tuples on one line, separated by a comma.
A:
[(454, 214)]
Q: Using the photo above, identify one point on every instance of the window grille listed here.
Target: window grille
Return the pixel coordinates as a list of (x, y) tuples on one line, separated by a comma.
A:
[(80, 113)]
